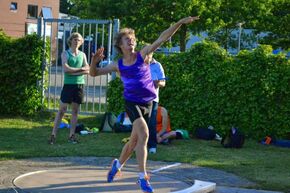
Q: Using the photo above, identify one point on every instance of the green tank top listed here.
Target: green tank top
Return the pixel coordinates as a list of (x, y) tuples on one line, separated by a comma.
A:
[(75, 62)]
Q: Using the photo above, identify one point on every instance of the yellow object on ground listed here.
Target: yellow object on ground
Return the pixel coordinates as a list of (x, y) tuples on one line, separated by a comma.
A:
[(63, 120), (126, 139)]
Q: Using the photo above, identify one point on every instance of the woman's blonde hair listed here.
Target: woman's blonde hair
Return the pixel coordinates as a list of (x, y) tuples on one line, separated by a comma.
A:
[(118, 37), (74, 35)]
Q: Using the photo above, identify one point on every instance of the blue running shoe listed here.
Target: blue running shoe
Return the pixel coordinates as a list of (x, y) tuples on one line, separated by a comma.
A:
[(113, 171), (145, 185)]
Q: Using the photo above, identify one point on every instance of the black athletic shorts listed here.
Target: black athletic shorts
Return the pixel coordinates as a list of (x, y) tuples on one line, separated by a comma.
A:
[(72, 93), (135, 110)]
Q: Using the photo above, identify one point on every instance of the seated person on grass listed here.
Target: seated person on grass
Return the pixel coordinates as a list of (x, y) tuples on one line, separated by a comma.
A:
[(163, 129), (164, 132)]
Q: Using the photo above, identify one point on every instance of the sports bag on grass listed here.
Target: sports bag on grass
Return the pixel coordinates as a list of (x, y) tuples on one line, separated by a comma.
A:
[(121, 125), (205, 133), (234, 139), (108, 122)]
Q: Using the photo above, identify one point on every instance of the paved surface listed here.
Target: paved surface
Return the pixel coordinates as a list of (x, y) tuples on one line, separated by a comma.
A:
[(80, 180), (88, 174)]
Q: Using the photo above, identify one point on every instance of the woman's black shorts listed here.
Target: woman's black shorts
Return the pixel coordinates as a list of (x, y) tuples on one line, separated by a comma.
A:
[(72, 93), (135, 110)]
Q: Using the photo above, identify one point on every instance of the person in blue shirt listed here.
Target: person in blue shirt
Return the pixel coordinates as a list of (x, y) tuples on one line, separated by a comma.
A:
[(158, 77)]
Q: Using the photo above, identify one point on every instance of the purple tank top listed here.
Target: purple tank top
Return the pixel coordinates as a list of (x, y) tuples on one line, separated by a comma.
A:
[(137, 82)]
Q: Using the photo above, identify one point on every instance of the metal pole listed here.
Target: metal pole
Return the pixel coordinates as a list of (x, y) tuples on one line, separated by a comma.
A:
[(239, 37), (39, 26), (43, 61), (116, 29)]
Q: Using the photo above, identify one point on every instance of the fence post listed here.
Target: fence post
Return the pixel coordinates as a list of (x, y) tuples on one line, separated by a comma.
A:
[(39, 26), (40, 23), (116, 29)]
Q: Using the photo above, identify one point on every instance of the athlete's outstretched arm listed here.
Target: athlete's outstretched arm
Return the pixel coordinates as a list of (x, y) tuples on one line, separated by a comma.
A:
[(165, 35), (96, 58)]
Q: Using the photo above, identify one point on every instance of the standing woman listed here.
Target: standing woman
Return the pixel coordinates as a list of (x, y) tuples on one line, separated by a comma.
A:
[(75, 66)]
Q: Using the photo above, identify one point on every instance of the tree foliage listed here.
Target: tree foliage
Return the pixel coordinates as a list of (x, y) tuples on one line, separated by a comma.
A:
[(277, 24), (20, 94), (65, 6), (221, 18), (149, 18), (218, 17)]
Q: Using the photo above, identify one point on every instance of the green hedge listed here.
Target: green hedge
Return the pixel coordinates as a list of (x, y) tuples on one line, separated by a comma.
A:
[(20, 73), (207, 86)]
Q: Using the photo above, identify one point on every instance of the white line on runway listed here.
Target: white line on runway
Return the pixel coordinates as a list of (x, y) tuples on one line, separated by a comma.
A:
[(165, 167), (28, 174), (23, 175)]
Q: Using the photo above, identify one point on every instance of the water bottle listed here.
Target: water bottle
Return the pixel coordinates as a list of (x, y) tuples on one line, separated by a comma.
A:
[(84, 132)]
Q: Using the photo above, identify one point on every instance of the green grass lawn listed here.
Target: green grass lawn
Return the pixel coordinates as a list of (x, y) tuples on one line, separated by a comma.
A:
[(268, 166)]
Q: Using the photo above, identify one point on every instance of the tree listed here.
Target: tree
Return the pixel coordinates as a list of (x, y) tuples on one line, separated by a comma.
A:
[(277, 25), (218, 17), (223, 16), (65, 6), (268, 16), (149, 18)]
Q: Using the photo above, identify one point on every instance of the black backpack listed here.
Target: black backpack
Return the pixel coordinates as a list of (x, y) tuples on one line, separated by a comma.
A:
[(119, 126), (205, 133), (233, 139)]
